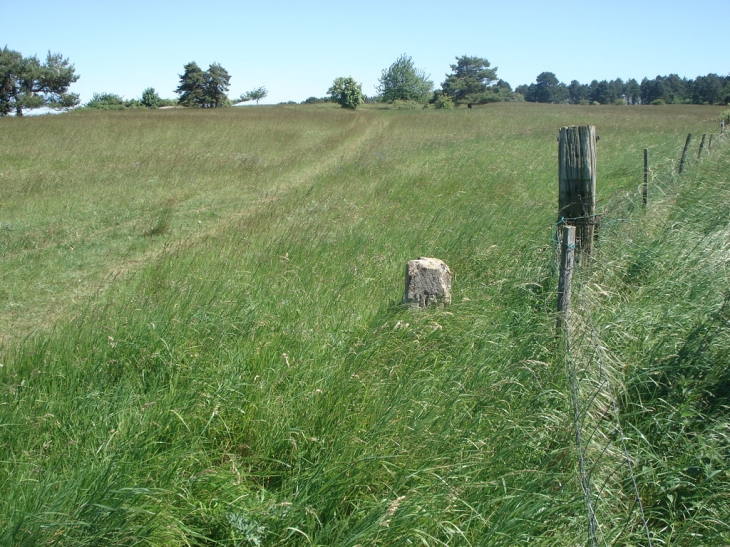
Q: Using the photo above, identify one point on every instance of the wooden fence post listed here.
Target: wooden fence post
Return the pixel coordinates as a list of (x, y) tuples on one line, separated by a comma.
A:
[(722, 127), (684, 153), (709, 144), (567, 262), (702, 145), (577, 180), (645, 188)]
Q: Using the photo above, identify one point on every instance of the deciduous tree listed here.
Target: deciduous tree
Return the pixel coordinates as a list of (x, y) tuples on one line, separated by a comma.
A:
[(404, 82), (26, 83), (253, 95)]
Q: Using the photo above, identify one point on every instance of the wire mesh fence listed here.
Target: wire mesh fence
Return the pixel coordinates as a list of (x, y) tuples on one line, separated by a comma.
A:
[(614, 479)]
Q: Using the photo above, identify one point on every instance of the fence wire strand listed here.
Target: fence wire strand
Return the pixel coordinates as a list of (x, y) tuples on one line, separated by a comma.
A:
[(599, 435), (593, 383)]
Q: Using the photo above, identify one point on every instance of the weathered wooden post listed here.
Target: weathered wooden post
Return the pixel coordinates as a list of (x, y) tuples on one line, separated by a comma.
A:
[(702, 145), (684, 153), (722, 127), (645, 188), (709, 144), (577, 179), (567, 262)]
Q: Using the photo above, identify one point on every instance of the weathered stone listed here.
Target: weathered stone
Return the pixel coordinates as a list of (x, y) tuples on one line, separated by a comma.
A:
[(428, 282)]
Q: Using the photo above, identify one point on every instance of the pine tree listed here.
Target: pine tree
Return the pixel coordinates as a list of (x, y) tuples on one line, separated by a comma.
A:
[(26, 83), (468, 82), (217, 81), (204, 89), (192, 86)]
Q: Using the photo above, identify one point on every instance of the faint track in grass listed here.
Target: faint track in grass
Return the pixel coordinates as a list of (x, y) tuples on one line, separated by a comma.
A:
[(68, 296)]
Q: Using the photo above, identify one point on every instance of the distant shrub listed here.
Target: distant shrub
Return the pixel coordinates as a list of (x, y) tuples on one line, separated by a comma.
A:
[(111, 101), (492, 97), (444, 101), (106, 101), (658, 102), (346, 92), (513, 97), (315, 100), (619, 102), (726, 116), (596, 103), (151, 99), (403, 105)]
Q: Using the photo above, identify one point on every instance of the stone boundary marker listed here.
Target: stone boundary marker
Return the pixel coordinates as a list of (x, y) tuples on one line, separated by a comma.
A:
[(428, 282)]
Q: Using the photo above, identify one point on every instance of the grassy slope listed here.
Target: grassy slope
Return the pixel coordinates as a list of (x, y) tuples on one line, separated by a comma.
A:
[(243, 369)]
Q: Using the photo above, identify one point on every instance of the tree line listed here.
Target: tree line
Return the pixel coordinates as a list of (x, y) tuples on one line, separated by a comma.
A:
[(27, 83), (709, 89), (473, 81)]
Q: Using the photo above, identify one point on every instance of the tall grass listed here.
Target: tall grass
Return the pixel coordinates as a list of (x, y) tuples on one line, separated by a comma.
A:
[(237, 368), (659, 299)]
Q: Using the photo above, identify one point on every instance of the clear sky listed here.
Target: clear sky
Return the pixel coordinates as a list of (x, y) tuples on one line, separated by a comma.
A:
[(297, 48)]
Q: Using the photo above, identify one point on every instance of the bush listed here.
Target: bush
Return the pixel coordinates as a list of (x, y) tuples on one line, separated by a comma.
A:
[(403, 105), (346, 92), (442, 100), (112, 101), (151, 99), (106, 101), (512, 97), (658, 102)]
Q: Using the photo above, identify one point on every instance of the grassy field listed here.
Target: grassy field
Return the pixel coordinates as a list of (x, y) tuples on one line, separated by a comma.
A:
[(203, 342)]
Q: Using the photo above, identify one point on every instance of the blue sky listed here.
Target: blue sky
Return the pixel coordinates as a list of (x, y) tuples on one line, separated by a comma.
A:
[(296, 49)]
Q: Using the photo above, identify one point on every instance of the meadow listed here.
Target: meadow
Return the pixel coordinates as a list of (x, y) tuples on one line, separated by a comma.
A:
[(203, 341)]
